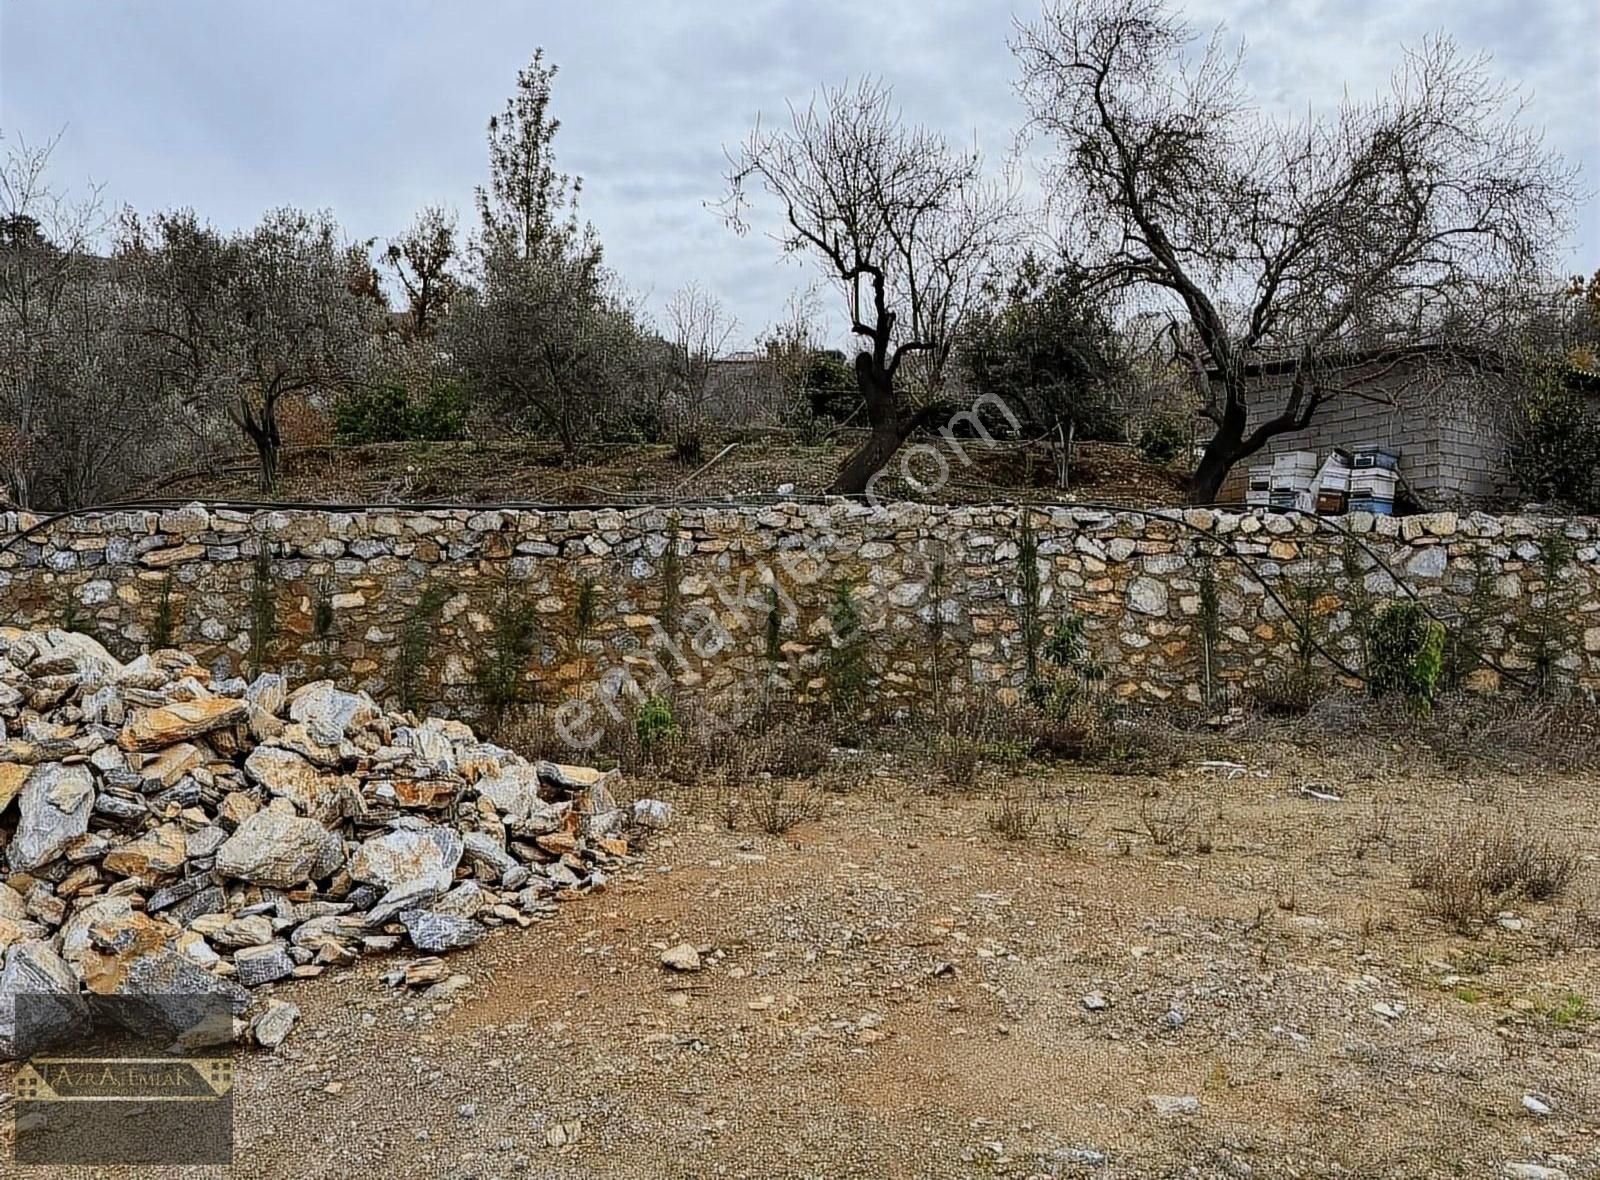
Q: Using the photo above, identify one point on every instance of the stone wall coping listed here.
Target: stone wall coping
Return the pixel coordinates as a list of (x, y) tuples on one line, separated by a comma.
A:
[(198, 519)]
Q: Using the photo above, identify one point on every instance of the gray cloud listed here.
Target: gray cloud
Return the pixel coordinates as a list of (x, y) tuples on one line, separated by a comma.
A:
[(372, 108)]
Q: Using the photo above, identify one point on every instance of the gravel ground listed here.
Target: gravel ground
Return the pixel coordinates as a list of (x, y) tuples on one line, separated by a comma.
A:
[(896, 991)]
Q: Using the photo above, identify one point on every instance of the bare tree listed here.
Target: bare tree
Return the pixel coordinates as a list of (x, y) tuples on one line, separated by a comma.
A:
[(902, 223), (697, 333), (46, 261), (1268, 237), (421, 259)]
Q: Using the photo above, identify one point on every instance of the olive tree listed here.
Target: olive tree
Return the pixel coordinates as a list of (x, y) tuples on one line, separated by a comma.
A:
[(238, 323), (80, 422), (545, 341), (905, 226), (1049, 349), (1273, 237)]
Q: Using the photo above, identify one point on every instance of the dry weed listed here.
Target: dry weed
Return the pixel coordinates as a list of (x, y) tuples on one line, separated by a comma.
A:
[(778, 806), (1016, 815), (1178, 823), (1470, 871)]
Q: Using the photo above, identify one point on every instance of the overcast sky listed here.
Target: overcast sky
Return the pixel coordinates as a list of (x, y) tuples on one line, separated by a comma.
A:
[(373, 108)]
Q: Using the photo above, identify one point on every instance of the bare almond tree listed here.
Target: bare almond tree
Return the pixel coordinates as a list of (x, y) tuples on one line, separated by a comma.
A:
[(46, 263), (697, 333), (1296, 240), (905, 226)]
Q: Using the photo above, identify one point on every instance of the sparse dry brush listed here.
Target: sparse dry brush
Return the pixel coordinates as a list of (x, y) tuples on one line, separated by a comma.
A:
[(1015, 815), (1178, 822), (1469, 871), (956, 760), (779, 806)]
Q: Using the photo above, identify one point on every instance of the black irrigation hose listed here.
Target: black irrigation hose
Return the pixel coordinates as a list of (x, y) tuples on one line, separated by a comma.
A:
[(1246, 561), (1410, 591), (1171, 515)]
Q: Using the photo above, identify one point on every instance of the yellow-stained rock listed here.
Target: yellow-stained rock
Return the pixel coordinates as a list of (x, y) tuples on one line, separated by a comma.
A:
[(157, 852), (154, 729)]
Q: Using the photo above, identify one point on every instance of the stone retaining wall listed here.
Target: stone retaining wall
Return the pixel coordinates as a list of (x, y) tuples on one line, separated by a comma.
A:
[(1135, 577)]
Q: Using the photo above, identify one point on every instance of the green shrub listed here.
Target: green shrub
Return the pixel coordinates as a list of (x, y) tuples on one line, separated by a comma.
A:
[(1030, 623), (1405, 654), (322, 624), (263, 610), (655, 722), (772, 637), (1303, 602), (587, 607), (1056, 665), (671, 576), (416, 642), (390, 412), (1162, 439), (1068, 669), (72, 617), (1554, 453), (1067, 648), (1360, 602), (1464, 637), (1208, 623), (688, 447), (847, 668), (502, 685), (1545, 630), (935, 630), (163, 628)]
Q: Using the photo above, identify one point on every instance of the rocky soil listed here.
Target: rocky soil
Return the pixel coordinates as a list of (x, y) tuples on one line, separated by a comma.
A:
[(894, 990)]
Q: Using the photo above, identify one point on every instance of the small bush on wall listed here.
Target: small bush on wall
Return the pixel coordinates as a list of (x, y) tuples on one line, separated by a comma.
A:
[(1405, 654)]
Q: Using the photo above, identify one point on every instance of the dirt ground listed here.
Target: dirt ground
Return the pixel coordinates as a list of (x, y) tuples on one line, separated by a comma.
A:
[(896, 990), (501, 471)]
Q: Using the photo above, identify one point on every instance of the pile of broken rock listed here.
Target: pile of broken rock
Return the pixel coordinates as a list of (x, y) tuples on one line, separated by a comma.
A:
[(165, 833)]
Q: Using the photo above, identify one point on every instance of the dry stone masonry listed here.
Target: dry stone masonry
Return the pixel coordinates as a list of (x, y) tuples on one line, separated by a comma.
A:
[(164, 833), (1133, 576)]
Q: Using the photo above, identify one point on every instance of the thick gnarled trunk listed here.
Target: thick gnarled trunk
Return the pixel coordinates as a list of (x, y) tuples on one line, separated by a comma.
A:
[(871, 457), (889, 430), (1213, 468), (262, 429), (1227, 447)]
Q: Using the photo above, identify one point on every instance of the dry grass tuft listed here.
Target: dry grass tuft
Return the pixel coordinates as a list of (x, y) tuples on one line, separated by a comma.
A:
[(1179, 822), (1015, 815), (778, 806), (1474, 869)]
